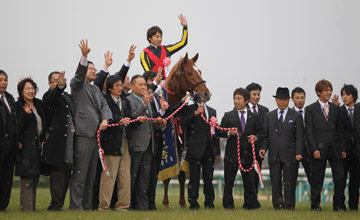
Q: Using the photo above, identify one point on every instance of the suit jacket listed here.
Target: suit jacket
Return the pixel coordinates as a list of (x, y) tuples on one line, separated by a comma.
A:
[(141, 133), (307, 153), (91, 107), (348, 132), (357, 130), (231, 119), (283, 142), (322, 134), (101, 76), (198, 136), (58, 107), (262, 110), (111, 138), (9, 134)]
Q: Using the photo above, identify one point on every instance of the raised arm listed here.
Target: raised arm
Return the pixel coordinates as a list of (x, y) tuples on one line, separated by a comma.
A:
[(78, 81), (103, 73), (173, 48), (125, 67)]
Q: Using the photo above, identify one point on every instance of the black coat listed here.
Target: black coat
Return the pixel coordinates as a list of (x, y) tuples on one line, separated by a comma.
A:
[(283, 142), (322, 134), (9, 136), (58, 107), (348, 131), (253, 127), (28, 158), (198, 136), (111, 138), (357, 130)]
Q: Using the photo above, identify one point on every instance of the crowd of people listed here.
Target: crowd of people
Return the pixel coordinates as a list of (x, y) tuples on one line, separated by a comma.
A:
[(56, 136)]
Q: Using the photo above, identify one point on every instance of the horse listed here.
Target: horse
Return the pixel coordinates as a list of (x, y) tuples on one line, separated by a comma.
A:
[(184, 77)]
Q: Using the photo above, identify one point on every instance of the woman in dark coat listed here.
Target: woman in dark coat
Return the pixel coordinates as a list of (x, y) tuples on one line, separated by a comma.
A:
[(31, 123)]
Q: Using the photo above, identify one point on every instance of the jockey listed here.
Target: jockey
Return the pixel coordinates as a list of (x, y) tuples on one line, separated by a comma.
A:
[(153, 56)]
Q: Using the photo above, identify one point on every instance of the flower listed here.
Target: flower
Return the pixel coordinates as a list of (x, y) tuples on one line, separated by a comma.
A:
[(167, 61), (213, 120)]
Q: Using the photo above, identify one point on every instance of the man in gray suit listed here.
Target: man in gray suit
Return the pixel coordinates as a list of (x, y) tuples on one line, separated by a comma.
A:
[(92, 112), (283, 137), (141, 144)]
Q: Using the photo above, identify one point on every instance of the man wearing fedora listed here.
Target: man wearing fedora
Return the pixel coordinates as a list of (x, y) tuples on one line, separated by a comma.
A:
[(283, 138)]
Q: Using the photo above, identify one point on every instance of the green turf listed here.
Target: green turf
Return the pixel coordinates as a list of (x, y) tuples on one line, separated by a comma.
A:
[(302, 211)]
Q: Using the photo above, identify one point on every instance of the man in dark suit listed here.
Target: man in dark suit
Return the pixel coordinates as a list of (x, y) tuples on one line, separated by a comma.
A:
[(259, 111), (356, 133), (8, 141), (60, 131), (284, 139), (298, 97), (203, 149), (324, 133), (247, 124), (92, 113), (349, 96)]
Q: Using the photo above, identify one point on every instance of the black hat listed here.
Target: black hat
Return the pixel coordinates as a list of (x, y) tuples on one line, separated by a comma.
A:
[(282, 92)]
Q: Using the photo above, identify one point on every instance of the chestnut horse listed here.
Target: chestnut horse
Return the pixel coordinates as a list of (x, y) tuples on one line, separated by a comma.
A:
[(184, 77)]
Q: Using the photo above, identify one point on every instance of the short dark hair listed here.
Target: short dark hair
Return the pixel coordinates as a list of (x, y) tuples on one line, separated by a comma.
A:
[(149, 75), (110, 81), (297, 90), (243, 92), (21, 85), (90, 62), (152, 31), (51, 74), (135, 77), (3, 72), (253, 86), (350, 90), (321, 85)]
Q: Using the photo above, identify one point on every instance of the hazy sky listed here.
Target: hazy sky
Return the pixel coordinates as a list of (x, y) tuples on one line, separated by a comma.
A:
[(275, 43)]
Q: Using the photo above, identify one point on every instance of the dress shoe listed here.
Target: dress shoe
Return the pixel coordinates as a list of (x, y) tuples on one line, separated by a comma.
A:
[(316, 208)]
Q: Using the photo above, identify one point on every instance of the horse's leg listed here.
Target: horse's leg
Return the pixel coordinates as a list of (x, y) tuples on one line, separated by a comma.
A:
[(182, 178), (166, 198)]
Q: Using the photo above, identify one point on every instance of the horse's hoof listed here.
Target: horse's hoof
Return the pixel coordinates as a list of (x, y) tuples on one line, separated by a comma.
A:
[(182, 203), (166, 204)]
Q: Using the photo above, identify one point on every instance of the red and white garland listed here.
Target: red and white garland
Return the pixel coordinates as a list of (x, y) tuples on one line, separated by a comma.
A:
[(212, 125)]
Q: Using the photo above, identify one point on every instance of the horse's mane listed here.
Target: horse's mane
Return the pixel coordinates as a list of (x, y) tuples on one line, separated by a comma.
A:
[(173, 70)]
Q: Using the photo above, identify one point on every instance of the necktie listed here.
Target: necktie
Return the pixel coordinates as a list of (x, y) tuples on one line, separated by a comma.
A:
[(242, 120), (254, 109), (4, 102), (351, 115), (326, 111), (281, 119), (300, 111), (120, 105)]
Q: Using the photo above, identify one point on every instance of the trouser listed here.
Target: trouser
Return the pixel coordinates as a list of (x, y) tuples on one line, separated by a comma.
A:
[(140, 177), (352, 167), (207, 164), (28, 192), (283, 173), (250, 192), (6, 179), (85, 162), (119, 168), (318, 173), (59, 183), (155, 166)]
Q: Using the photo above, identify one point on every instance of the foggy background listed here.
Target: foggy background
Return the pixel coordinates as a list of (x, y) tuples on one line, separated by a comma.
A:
[(272, 42)]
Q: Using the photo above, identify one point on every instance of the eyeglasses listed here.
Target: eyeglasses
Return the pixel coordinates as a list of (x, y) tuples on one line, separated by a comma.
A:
[(118, 86), (92, 68)]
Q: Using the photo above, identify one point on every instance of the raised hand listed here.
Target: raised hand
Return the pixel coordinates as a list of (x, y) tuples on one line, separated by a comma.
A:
[(147, 98), (108, 59), (85, 50), (27, 108), (183, 20), (158, 75), (131, 53), (335, 99), (62, 79)]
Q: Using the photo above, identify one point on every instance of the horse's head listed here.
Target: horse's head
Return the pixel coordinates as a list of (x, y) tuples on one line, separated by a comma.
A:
[(185, 76)]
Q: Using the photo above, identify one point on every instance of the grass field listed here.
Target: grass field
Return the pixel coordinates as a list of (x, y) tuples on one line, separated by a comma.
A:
[(302, 211)]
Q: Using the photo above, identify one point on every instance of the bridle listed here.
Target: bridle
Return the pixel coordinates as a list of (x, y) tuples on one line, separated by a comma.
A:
[(190, 86)]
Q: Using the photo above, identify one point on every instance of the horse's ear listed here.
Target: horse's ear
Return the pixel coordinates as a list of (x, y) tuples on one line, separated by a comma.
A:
[(195, 58), (185, 59)]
